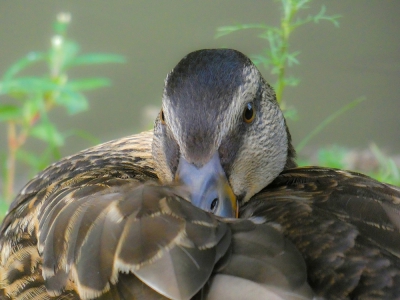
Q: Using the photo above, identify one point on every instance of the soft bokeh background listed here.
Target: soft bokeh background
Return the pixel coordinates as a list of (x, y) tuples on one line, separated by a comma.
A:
[(360, 58)]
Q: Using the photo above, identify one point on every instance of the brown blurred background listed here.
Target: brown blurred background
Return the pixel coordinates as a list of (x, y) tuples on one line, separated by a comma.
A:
[(360, 58)]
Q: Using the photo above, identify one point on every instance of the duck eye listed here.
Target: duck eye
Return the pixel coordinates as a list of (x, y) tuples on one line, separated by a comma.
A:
[(162, 118), (249, 113), (214, 204)]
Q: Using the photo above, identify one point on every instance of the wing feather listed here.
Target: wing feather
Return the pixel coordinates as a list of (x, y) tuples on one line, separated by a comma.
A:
[(90, 235), (345, 225)]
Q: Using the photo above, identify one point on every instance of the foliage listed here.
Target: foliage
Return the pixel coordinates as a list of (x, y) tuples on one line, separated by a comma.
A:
[(276, 56), (26, 102), (374, 163), (388, 170)]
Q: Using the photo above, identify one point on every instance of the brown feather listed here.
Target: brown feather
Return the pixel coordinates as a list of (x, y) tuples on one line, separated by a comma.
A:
[(96, 229), (339, 222), (97, 224)]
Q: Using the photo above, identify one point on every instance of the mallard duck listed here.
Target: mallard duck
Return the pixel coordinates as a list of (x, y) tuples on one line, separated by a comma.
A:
[(115, 221)]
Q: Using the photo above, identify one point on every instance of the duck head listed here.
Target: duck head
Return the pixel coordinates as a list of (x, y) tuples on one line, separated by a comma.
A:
[(220, 131)]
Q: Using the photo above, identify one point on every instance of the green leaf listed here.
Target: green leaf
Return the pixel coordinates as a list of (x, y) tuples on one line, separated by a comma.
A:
[(87, 84), (48, 133), (9, 112), (27, 85), (23, 63), (291, 58), (300, 22), (291, 81), (225, 30), (270, 33), (261, 59), (73, 101), (291, 114), (301, 4), (96, 58), (321, 16)]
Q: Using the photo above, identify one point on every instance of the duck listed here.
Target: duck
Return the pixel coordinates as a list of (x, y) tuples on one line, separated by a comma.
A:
[(209, 205)]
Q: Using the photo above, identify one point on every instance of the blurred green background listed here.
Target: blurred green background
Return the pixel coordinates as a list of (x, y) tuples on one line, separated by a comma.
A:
[(360, 58)]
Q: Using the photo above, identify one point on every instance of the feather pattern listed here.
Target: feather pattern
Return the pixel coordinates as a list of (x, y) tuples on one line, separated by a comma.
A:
[(98, 224), (101, 233), (344, 224)]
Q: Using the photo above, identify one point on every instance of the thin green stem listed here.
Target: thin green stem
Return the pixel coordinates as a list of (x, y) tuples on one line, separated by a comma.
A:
[(327, 121), (288, 14)]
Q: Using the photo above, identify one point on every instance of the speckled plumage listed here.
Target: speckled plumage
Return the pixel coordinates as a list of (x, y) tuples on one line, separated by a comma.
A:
[(107, 195), (97, 225)]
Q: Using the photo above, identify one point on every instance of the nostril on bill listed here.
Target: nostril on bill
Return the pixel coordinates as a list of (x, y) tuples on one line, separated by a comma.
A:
[(214, 204)]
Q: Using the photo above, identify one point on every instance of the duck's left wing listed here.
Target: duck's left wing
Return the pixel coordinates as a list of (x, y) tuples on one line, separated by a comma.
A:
[(101, 237), (95, 230)]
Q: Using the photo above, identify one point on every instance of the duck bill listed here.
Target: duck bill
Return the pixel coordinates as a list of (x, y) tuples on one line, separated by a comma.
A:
[(208, 187)]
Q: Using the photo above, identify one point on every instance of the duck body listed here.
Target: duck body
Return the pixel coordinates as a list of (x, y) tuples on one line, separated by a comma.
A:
[(112, 222), (76, 221)]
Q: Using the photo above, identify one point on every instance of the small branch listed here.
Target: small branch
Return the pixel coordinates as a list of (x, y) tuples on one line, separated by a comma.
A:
[(15, 142)]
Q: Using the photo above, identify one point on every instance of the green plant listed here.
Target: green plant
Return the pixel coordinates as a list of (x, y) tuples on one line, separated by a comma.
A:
[(276, 57), (27, 101), (371, 161), (388, 171)]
